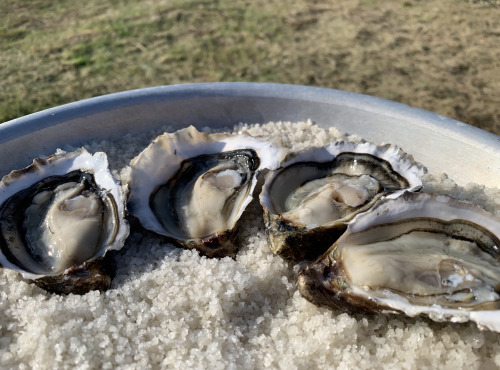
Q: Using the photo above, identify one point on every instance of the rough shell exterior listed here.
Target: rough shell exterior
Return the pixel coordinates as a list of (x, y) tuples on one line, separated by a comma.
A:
[(94, 273), (295, 242), (160, 161)]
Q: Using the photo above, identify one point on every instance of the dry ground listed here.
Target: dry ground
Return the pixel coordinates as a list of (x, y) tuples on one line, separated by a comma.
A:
[(442, 56)]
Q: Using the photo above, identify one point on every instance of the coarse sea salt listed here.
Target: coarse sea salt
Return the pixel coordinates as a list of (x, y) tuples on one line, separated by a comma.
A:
[(172, 308)]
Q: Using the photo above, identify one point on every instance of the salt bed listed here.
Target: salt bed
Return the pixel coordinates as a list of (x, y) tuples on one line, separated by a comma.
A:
[(172, 308)]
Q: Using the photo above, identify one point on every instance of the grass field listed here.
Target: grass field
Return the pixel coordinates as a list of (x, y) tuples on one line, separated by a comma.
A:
[(443, 56)]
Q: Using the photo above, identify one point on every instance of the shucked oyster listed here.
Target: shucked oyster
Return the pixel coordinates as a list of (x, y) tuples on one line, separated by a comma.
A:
[(193, 187), (309, 201), (58, 217), (417, 254)]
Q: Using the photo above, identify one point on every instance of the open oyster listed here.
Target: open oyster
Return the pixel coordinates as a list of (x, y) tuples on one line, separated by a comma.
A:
[(58, 217), (193, 187), (417, 254), (308, 202)]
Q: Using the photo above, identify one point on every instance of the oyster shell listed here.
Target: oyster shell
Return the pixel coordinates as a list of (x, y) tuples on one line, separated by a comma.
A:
[(309, 201), (58, 217), (419, 254), (193, 187)]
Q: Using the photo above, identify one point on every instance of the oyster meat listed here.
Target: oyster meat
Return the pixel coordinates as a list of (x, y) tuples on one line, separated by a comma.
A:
[(309, 201), (193, 187), (58, 218), (418, 254)]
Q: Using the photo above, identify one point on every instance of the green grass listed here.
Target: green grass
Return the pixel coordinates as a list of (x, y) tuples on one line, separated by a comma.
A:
[(441, 56)]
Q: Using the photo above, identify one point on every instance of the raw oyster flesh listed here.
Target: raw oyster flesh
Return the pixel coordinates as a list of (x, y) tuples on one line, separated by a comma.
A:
[(308, 202), (58, 217), (193, 187), (418, 254)]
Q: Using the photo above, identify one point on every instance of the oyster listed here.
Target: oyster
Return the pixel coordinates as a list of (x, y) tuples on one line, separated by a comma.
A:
[(418, 254), (309, 201), (58, 217), (193, 187)]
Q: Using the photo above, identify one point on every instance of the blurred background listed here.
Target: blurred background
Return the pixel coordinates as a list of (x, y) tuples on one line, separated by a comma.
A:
[(443, 56)]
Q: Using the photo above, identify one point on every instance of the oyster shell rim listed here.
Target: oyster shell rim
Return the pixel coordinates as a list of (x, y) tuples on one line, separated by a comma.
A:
[(59, 164), (405, 164), (195, 143), (339, 294)]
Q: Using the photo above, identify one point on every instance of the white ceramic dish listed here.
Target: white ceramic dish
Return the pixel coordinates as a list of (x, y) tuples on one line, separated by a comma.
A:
[(465, 153)]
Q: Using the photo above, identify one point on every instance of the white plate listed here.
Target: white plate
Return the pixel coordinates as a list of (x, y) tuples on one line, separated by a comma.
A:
[(465, 153)]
